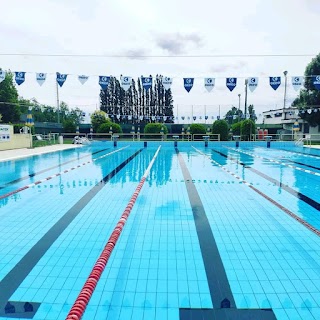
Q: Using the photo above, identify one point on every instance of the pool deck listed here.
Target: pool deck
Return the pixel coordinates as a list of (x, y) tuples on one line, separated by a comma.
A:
[(13, 154)]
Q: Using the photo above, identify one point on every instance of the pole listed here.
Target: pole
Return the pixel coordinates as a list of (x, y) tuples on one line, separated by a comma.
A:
[(192, 114), (205, 114), (239, 95), (58, 104), (245, 98), (219, 111)]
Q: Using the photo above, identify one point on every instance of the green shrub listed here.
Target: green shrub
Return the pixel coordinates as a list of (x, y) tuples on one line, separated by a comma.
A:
[(197, 128), (155, 128), (248, 127), (221, 127), (236, 129), (69, 126), (105, 127)]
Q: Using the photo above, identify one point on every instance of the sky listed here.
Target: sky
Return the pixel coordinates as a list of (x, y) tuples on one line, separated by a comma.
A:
[(178, 39)]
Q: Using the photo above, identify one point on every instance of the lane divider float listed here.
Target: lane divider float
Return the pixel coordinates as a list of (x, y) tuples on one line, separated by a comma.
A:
[(284, 209), (78, 308), (57, 174)]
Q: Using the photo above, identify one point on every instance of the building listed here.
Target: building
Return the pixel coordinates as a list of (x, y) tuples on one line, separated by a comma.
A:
[(285, 121)]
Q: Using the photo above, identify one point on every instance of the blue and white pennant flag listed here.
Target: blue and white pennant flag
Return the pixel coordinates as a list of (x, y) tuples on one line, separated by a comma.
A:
[(61, 78), (316, 82), (275, 82), (20, 77), (104, 81), (188, 83), (146, 82), (231, 83)]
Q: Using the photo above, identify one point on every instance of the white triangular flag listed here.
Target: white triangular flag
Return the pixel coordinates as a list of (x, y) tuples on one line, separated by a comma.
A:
[(253, 83), (166, 82), (83, 79), (41, 78), (209, 83), (297, 83), (2, 75), (125, 82)]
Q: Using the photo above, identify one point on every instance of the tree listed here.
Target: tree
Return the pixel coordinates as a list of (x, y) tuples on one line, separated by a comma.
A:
[(9, 107), (98, 118), (153, 105), (309, 97), (252, 114), (221, 127), (233, 115)]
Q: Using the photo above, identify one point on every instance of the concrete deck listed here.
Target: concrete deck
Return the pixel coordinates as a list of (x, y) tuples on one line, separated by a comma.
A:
[(13, 154)]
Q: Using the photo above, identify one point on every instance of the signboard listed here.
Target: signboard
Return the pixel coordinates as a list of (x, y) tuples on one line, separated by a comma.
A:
[(4, 133)]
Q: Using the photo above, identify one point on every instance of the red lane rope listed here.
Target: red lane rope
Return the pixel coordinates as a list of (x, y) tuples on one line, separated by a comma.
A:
[(86, 292)]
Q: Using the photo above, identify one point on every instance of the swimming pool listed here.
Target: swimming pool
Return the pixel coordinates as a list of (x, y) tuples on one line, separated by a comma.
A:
[(211, 227)]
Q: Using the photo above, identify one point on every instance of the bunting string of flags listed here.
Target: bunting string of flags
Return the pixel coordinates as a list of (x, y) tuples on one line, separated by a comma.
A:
[(188, 83)]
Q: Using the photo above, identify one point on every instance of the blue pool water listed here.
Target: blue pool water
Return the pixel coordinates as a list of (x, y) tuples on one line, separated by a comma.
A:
[(209, 223)]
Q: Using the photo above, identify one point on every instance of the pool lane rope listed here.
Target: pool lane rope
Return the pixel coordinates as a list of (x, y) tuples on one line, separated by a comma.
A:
[(6, 195), (284, 209), (78, 308)]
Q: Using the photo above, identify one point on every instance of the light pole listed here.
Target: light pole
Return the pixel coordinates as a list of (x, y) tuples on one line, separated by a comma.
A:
[(245, 98), (285, 92), (58, 103)]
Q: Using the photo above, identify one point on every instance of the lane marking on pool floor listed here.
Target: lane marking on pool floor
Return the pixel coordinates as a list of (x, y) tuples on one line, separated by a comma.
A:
[(78, 308), (58, 174), (301, 163), (276, 161), (315, 156), (284, 209), (224, 306), (293, 192), (12, 281), (47, 169)]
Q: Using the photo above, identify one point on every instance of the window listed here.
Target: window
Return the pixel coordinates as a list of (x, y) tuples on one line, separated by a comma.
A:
[(306, 128)]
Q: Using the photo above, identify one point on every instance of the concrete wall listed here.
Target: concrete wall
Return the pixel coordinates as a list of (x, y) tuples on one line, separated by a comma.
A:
[(16, 141)]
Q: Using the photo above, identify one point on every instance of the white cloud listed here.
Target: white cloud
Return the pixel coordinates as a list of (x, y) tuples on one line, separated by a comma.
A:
[(146, 28)]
